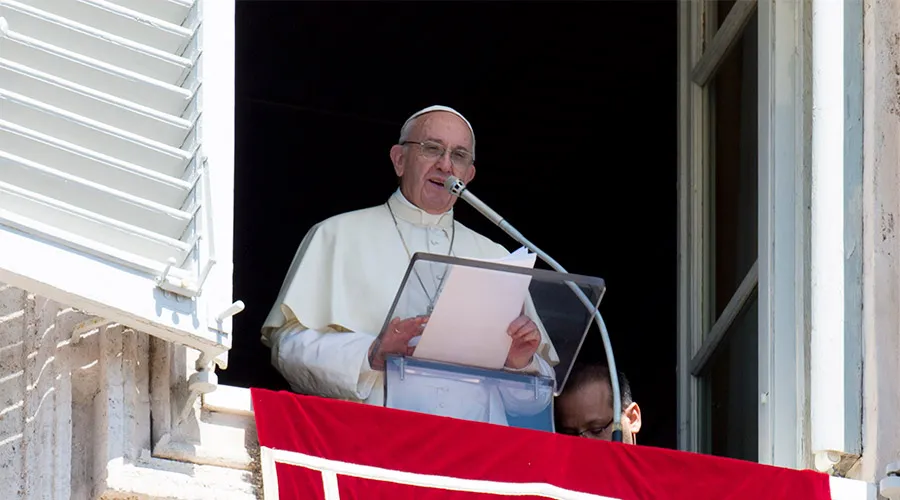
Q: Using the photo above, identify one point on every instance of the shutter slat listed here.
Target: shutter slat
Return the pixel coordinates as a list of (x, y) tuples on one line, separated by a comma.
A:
[(92, 73), (95, 43), (90, 165), (81, 243), (103, 139), (173, 11), (125, 115), (77, 220), (121, 21), (92, 196)]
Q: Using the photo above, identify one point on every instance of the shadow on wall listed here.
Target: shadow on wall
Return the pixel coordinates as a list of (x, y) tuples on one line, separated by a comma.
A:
[(48, 387)]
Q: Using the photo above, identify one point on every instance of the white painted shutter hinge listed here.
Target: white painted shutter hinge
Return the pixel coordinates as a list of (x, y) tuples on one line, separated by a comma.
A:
[(184, 286)]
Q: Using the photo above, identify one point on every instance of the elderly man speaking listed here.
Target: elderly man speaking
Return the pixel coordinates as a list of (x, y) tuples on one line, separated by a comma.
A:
[(325, 328)]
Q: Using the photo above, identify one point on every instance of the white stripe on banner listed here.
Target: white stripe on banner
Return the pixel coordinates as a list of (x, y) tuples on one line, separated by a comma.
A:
[(331, 469), (269, 474), (329, 484)]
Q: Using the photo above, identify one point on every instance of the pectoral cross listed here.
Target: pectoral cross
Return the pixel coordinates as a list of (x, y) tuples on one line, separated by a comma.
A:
[(440, 286)]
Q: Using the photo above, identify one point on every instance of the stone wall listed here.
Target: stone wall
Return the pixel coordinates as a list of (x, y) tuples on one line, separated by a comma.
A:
[(75, 414), (881, 246)]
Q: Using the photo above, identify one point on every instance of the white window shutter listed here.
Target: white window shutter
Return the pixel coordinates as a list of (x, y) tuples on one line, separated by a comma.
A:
[(116, 160)]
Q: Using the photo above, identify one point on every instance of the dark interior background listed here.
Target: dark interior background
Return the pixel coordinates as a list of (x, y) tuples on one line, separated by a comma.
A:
[(574, 109)]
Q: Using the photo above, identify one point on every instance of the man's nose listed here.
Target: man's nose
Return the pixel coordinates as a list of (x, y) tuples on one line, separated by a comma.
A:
[(444, 162)]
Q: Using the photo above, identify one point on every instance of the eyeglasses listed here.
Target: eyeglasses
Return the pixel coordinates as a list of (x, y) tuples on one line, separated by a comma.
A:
[(593, 433), (434, 151)]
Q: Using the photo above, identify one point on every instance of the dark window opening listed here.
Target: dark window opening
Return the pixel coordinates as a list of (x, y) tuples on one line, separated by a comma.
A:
[(574, 110)]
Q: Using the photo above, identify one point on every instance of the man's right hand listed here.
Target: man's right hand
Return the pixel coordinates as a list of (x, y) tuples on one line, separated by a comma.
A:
[(395, 340)]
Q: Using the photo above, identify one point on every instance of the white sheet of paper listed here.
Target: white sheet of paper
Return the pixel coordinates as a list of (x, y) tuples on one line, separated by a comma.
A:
[(470, 318)]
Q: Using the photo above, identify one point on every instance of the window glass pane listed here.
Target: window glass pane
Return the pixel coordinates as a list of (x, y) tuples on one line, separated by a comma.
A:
[(734, 168), (732, 389), (723, 7)]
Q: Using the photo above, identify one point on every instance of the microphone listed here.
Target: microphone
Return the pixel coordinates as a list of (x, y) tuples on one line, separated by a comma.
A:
[(458, 188)]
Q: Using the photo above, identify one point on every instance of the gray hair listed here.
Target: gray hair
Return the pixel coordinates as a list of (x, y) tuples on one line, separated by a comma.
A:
[(407, 128)]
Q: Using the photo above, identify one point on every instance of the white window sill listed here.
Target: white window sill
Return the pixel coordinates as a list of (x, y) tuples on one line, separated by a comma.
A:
[(852, 489)]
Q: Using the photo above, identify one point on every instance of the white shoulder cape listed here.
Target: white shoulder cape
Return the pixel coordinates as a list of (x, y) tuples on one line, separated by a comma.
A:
[(348, 269)]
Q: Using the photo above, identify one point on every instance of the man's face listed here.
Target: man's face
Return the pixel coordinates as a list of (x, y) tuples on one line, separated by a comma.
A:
[(422, 177), (587, 411)]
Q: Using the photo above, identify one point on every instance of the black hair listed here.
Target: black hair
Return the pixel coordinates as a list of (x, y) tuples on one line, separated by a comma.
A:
[(584, 373)]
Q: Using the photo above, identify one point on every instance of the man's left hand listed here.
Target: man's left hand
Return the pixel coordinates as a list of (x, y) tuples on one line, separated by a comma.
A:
[(525, 340)]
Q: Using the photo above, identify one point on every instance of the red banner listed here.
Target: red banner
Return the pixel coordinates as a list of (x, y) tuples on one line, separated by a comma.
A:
[(328, 449)]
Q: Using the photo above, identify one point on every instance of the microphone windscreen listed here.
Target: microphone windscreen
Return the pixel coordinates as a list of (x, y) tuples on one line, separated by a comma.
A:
[(454, 185)]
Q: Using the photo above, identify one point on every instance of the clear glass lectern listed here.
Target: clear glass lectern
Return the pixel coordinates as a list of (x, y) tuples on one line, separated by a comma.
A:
[(457, 367)]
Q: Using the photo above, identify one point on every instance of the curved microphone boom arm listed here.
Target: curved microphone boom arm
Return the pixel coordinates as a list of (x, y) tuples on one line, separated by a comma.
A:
[(458, 188)]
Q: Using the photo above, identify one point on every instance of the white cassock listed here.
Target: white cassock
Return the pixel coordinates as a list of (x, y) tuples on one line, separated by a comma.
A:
[(339, 290)]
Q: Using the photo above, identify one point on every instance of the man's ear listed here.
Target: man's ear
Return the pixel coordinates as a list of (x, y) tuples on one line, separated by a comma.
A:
[(470, 174), (632, 416), (397, 159)]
